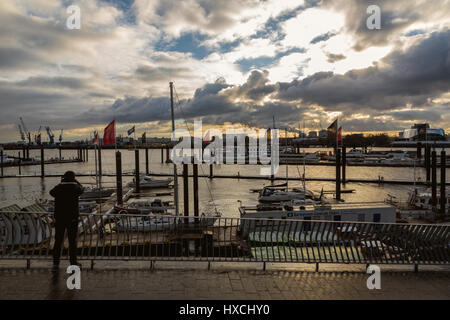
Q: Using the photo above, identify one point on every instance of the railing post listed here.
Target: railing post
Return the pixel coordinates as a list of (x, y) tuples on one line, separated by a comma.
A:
[(28, 264), (92, 264), (317, 267)]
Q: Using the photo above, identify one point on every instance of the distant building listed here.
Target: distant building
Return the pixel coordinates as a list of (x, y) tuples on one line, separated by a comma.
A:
[(422, 132), (323, 134)]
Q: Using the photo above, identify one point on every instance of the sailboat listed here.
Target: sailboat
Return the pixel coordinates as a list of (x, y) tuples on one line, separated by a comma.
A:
[(97, 192), (273, 194)]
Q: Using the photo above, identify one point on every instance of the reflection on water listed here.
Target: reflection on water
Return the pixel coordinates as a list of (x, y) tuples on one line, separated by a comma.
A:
[(226, 192)]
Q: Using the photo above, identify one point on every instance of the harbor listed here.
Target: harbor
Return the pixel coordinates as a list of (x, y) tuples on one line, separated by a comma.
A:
[(224, 149)]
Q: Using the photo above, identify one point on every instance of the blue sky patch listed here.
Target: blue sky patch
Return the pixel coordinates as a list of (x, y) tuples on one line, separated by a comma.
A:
[(262, 62), (188, 42)]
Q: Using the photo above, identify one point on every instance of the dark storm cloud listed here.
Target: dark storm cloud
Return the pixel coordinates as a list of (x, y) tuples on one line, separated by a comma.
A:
[(17, 58), (38, 42), (255, 88), (408, 115), (150, 73), (334, 57), (396, 16), (214, 103), (55, 82), (404, 78), (411, 77)]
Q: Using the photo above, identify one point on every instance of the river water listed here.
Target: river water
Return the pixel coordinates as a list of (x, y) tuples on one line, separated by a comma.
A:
[(222, 194)]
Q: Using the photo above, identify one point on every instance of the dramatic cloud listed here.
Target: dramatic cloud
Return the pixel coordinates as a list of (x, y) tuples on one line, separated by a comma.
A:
[(232, 62), (410, 77)]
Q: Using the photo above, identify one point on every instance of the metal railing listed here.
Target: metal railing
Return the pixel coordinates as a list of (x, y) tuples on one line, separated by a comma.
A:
[(148, 237)]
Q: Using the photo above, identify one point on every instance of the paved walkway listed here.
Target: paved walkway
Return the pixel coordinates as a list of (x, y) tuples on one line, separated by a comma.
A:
[(130, 280)]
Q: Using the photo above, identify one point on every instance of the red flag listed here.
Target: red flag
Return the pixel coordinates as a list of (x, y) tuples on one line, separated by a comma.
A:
[(109, 136), (339, 137)]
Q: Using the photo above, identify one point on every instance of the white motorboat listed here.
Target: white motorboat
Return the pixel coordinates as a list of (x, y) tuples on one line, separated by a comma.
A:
[(271, 195), (147, 182), (145, 206), (423, 199), (153, 222), (96, 193)]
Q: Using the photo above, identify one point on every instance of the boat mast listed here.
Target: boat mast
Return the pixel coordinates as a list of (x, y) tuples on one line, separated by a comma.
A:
[(175, 176)]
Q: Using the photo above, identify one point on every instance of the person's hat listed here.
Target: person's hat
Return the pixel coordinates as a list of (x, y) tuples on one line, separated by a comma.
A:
[(69, 176)]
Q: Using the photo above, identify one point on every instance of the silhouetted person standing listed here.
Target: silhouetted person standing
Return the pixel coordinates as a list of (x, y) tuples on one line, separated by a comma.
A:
[(66, 216)]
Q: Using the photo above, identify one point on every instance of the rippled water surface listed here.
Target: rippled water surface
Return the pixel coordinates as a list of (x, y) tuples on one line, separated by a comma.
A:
[(225, 192)]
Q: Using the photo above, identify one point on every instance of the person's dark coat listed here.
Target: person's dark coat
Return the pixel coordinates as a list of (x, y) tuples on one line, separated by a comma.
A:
[(66, 199)]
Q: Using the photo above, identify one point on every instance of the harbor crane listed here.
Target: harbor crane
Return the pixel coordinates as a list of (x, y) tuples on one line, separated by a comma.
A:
[(26, 132), (22, 134), (51, 136), (37, 137)]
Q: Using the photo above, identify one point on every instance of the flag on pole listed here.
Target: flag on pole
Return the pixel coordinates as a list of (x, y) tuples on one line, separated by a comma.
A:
[(339, 135), (132, 130), (95, 140), (109, 136), (333, 127), (332, 131)]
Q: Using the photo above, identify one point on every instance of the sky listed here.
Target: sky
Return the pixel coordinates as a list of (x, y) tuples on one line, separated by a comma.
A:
[(233, 62)]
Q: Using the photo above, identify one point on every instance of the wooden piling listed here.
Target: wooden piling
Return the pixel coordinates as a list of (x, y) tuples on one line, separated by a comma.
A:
[(433, 180), (344, 164), (211, 171), (60, 156), (146, 162), (137, 187), (427, 163), (167, 155), (99, 160), (338, 174), (119, 177), (162, 155), (42, 162), (443, 198), (19, 163), (195, 178), (1, 161), (186, 189), (419, 150)]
